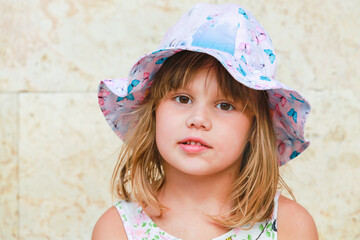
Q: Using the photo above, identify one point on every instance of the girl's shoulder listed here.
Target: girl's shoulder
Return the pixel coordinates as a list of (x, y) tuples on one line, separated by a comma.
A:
[(294, 221), (109, 226)]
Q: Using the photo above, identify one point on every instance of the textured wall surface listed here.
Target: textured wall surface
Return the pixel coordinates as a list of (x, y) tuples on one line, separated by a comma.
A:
[(57, 152)]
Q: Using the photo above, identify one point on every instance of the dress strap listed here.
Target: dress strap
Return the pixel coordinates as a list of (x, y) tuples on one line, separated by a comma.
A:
[(127, 212), (276, 203), (137, 224)]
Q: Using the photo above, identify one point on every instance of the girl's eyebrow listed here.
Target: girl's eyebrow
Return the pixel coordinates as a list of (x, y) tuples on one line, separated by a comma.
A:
[(219, 96), (238, 103), (180, 89)]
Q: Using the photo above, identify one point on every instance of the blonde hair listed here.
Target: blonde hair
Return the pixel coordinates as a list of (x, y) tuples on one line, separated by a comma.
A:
[(139, 175)]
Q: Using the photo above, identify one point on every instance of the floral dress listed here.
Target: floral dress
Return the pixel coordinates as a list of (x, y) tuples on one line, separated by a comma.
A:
[(139, 226)]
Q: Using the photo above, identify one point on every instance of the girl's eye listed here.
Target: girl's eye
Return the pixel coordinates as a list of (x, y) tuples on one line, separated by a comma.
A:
[(225, 106), (183, 99)]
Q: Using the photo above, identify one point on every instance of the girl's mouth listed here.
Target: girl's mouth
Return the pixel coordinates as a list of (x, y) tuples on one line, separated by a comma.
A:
[(194, 145), (194, 141)]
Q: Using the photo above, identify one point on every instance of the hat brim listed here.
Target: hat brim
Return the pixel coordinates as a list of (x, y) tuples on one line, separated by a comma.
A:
[(289, 110)]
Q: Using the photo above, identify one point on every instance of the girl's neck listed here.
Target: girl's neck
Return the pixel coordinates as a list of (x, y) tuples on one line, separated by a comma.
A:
[(206, 193), (190, 200)]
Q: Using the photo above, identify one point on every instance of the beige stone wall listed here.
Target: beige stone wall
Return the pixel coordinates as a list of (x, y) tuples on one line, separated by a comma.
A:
[(57, 152)]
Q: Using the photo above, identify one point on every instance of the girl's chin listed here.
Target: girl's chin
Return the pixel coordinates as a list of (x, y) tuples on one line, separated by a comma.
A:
[(193, 170)]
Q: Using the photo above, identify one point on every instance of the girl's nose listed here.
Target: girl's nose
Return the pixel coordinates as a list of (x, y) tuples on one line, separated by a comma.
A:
[(198, 120)]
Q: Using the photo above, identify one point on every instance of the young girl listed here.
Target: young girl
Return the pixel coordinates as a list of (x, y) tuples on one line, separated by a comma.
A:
[(205, 128)]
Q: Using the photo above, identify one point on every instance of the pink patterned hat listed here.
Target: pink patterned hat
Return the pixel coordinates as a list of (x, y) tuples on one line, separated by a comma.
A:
[(233, 36)]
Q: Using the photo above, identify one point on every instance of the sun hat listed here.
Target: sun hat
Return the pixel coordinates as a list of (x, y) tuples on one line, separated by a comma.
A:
[(233, 36)]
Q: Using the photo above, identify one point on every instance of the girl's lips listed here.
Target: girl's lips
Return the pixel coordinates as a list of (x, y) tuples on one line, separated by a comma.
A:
[(195, 140), (193, 148), (194, 145)]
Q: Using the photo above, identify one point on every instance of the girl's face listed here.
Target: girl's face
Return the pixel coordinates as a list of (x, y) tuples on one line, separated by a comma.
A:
[(199, 131)]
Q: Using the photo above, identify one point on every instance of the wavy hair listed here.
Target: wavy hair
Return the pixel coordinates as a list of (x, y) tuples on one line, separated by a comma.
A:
[(139, 175)]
